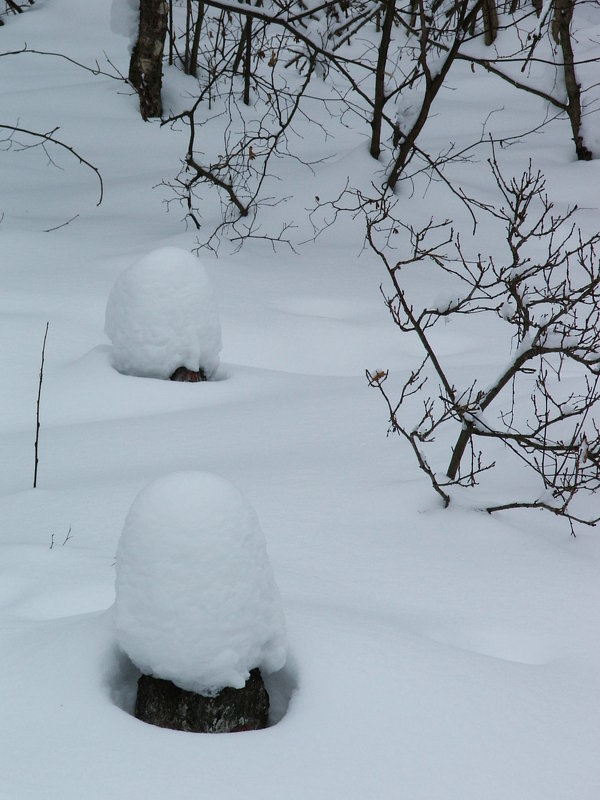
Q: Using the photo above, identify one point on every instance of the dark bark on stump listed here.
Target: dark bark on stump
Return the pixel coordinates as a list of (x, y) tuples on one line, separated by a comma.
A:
[(145, 67), (185, 375), (162, 703)]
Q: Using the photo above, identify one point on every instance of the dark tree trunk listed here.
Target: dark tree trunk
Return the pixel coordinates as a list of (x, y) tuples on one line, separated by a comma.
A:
[(163, 704), (145, 67), (490, 21), (171, 32), (379, 99), (196, 41), (561, 31), (188, 38), (247, 60)]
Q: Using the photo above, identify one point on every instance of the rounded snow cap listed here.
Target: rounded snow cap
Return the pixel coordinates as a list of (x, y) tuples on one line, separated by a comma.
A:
[(161, 314), (196, 602)]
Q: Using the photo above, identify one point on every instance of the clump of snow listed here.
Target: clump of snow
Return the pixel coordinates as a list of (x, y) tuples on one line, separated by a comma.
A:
[(508, 309), (161, 315), (196, 602), (124, 19)]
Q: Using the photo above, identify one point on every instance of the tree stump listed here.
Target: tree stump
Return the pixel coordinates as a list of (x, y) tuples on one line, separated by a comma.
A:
[(186, 375), (161, 703)]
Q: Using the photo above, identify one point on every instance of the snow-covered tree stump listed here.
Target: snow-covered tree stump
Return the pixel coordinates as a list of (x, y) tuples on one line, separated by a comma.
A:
[(196, 607), (162, 319), (161, 703)]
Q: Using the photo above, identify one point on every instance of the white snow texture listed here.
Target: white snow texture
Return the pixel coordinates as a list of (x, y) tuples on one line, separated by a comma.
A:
[(161, 314), (124, 19), (196, 602)]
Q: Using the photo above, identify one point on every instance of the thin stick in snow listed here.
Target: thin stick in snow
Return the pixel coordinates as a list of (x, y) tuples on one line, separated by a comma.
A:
[(37, 414)]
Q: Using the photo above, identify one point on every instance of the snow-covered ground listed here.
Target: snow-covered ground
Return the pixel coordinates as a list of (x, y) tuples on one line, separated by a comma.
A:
[(433, 654)]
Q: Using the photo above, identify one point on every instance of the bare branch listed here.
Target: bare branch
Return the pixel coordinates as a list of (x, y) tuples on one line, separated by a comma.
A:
[(49, 137)]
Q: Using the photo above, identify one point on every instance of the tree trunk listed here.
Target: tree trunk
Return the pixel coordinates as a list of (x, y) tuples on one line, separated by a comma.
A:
[(188, 38), (561, 31), (145, 67), (247, 60), (379, 99), (196, 41), (490, 21)]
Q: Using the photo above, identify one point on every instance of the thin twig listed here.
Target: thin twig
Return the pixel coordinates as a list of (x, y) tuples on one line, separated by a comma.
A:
[(37, 414)]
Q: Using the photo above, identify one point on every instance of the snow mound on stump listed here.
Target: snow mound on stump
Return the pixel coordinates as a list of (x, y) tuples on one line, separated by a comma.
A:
[(161, 314), (196, 602)]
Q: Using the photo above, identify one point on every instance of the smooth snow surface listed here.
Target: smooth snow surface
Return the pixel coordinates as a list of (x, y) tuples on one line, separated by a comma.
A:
[(196, 602), (161, 314)]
